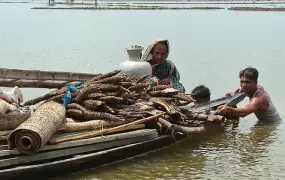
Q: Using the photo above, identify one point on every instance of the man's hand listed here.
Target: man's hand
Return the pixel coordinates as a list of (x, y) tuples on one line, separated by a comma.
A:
[(165, 81), (222, 110), (233, 93)]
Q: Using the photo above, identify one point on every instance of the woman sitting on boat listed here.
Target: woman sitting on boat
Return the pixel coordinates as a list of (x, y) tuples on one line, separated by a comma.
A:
[(164, 71)]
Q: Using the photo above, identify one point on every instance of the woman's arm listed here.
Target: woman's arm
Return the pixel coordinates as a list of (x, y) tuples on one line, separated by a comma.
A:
[(174, 78)]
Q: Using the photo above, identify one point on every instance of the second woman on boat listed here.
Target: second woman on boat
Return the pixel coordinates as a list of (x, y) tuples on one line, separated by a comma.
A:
[(164, 71)]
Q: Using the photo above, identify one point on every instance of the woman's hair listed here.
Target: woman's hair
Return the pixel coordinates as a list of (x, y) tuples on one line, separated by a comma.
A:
[(160, 42), (250, 73)]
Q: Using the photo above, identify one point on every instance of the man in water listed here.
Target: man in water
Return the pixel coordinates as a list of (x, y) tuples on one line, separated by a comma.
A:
[(260, 102)]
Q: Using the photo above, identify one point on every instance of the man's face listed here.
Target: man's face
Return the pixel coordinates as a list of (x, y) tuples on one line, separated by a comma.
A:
[(200, 100), (248, 86), (159, 53)]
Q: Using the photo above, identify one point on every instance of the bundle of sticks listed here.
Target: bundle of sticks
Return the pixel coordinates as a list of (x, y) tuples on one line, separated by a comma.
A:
[(110, 97), (118, 99)]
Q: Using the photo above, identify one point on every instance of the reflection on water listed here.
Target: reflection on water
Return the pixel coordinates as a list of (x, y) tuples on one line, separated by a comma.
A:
[(254, 145)]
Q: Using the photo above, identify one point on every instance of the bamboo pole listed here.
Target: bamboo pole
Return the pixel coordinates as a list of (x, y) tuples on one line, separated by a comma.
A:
[(32, 83), (210, 117), (44, 75), (101, 132)]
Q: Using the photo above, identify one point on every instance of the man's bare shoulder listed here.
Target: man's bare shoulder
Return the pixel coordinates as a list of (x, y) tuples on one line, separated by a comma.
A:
[(261, 100)]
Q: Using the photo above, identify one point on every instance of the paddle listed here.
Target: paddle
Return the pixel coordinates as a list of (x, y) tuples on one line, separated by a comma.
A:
[(238, 97)]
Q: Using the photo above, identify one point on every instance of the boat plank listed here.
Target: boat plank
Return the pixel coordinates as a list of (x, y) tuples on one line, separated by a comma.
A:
[(3, 147), (4, 133), (71, 144), (56, 168), (142, 136), (100, 139)]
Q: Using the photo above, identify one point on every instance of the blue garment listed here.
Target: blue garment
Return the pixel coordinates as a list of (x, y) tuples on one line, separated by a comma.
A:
[(69, 89)]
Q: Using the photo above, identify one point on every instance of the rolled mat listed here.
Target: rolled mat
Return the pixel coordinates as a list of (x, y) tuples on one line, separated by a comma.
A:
[(34, 133)]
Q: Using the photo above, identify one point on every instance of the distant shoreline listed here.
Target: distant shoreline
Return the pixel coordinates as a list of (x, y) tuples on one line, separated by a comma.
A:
[(135, 5), (255, 9), (164, 8), (131, 8), (151, 2)]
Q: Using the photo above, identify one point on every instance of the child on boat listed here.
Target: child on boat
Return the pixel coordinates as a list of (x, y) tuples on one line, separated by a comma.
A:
[(201, 94)]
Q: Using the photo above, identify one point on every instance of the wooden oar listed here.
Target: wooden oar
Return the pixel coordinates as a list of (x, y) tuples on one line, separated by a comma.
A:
[(238, 97)]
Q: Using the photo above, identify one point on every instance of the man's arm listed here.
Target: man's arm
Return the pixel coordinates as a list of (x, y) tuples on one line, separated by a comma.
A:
[(239, 90), (240, 112)]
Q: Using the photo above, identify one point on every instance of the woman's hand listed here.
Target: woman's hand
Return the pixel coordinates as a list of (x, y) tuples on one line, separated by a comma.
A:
[(165, 81)]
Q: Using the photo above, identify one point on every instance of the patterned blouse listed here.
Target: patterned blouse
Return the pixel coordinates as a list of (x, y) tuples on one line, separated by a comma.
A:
[(166, 69)]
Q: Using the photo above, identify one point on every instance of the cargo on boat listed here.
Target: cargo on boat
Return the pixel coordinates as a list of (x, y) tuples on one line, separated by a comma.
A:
[(92, 120)]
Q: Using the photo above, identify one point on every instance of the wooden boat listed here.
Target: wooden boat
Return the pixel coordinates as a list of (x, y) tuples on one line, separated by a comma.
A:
[(56, 160), (59, 159)]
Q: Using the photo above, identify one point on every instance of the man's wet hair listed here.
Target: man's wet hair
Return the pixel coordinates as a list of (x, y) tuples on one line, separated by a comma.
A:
[(202, 92), (250, 73)]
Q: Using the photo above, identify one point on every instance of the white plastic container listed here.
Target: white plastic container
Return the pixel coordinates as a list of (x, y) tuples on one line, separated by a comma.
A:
[(134, 66)]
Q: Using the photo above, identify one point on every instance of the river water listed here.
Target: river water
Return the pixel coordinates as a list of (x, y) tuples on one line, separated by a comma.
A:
[(208, 47)]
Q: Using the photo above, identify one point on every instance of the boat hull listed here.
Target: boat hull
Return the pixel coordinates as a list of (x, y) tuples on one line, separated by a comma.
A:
[(44, 170)]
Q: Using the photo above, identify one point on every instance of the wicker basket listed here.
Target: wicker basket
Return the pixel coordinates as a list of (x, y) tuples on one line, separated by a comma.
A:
[(13, 119)]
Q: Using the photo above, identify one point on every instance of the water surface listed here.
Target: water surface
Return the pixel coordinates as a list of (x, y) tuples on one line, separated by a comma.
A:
[(208, 47)]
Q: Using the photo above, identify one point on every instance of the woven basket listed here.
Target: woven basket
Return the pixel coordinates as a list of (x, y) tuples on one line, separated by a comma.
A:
[(13, 119)]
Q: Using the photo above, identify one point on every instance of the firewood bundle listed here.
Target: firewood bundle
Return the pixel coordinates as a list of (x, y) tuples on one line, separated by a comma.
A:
[(115, 97)]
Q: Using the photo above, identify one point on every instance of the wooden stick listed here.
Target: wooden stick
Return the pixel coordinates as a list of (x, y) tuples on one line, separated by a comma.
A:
[(217, 118), (165, 123), (104, 131), (189, 130), (203, 117), (183, 129)]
